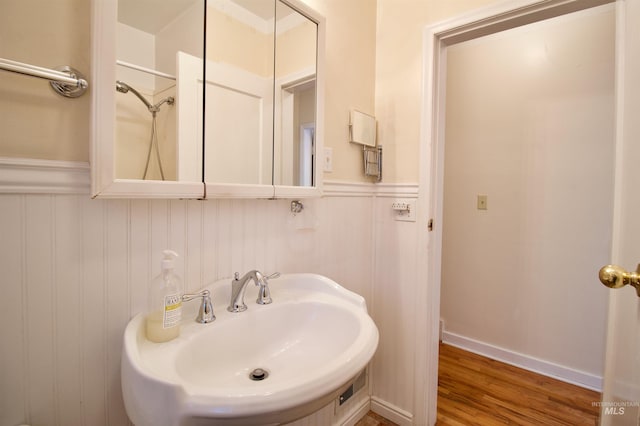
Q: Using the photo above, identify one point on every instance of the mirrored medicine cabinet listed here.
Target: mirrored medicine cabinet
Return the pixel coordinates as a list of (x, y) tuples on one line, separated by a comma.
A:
[(206, 99)]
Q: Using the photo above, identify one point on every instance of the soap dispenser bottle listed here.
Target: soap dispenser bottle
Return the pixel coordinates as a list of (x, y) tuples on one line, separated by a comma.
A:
[(165, 302)]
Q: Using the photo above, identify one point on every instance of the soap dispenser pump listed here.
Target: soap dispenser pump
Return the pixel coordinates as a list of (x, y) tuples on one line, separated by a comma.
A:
[(165, 302)]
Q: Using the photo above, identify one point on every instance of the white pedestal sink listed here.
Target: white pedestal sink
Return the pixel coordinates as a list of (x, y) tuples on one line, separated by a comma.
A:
[(311, 341)]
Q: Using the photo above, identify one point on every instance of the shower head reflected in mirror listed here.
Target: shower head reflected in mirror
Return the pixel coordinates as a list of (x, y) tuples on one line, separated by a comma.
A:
[(123, 87)]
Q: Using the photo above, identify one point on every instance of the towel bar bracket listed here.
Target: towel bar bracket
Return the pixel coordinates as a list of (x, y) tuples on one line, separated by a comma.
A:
[(70, 90), (65, 80)]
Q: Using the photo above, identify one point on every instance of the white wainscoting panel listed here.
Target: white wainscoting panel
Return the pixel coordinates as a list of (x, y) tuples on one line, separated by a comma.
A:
[(13, 351), (394, 304), (75, 270)]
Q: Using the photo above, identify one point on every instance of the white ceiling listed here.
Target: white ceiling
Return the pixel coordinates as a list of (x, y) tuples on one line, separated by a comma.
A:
[(261, 8), (151, 16)]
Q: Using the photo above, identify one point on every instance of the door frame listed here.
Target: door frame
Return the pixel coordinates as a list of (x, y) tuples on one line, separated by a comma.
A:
[(436, 39)]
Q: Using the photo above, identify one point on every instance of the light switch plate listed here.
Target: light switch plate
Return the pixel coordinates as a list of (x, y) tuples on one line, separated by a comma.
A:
[(482, 202), (328, 160)]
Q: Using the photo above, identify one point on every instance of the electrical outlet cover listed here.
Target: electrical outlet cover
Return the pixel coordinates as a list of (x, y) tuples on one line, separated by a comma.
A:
[(404, 210)]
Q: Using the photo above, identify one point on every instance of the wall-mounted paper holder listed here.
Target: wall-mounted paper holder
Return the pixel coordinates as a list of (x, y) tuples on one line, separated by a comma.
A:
[(362, 130), (373, 162)]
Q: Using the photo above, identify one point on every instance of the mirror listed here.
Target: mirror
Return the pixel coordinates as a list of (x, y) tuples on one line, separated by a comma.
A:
[(260, 115), (295, 97), (249, 129), (155, 46), (239, 92)]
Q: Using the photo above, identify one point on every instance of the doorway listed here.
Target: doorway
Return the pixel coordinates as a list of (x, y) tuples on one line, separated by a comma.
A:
[(438, 39), (529, 140)]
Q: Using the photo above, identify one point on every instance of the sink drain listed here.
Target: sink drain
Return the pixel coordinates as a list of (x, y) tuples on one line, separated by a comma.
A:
[(258, 374)]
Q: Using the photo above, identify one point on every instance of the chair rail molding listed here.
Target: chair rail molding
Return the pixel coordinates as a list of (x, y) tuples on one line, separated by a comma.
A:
[(35, 176), (337, 188)]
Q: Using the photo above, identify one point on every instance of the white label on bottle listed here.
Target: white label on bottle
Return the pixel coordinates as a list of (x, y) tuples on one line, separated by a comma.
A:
[(172, 311)]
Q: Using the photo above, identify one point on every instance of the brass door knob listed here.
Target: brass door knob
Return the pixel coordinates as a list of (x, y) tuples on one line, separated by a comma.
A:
[(614, 276)]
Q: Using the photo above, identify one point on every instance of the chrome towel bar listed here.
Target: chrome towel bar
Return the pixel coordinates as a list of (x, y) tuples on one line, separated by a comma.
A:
[(65, 80)]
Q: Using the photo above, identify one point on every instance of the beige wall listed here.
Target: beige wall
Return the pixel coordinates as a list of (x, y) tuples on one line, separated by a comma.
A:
[(35, 121), (296, 49), (350, 77), (250, 50), (400, 25), (136, 47), (532, 127)]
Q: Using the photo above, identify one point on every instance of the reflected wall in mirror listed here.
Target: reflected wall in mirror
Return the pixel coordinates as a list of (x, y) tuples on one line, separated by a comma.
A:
[(260, 94), (239, 92), (158, 125), (295, 93)]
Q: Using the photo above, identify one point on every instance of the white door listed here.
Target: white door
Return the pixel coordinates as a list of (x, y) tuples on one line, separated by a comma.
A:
[(238, 126), (189, 122), (621, 396)]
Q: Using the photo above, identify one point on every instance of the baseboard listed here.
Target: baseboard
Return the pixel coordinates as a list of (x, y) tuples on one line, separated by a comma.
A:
[(391, 412), (357, 413), (546, 368)]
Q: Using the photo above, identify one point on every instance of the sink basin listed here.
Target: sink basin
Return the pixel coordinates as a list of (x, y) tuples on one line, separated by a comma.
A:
[(270, 364)]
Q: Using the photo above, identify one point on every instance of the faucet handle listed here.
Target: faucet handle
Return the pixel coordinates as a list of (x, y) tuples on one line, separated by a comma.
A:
[(205, 314), (264, 294)]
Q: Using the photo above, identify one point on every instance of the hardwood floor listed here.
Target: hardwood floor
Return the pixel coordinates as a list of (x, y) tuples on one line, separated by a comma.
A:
[(373, 419), (474, 390)]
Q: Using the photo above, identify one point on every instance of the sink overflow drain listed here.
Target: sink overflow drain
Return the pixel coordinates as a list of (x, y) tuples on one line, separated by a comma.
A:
[(258, 374)]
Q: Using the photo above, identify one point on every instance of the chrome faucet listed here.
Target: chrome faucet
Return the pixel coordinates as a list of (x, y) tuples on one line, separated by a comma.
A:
[(205, 314), (239, 285)]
